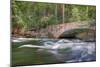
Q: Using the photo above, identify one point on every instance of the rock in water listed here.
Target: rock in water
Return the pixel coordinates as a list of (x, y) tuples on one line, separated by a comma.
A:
[(87, 36)]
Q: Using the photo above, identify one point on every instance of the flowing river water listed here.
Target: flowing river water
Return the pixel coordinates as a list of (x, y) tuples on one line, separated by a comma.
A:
[(29, 51)]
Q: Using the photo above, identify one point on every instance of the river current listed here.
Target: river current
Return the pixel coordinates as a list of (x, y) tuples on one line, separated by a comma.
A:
[(52, 50)]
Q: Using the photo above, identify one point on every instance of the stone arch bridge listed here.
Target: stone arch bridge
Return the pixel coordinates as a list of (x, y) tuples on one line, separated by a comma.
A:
[(60, 30)]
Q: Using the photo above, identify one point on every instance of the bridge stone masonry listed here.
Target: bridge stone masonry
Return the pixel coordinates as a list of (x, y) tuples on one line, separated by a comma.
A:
[(82, 30), (69, 29)]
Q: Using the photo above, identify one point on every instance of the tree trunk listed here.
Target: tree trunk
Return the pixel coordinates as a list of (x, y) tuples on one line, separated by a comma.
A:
[(63, 14)]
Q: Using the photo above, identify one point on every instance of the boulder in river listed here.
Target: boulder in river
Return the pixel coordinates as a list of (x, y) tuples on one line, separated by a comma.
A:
[(87, 36)]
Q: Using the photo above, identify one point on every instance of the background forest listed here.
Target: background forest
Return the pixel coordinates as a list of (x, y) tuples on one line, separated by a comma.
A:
[(28, 16)]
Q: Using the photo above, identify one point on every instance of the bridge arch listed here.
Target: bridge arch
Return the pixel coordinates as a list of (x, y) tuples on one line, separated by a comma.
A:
[(73, 33)]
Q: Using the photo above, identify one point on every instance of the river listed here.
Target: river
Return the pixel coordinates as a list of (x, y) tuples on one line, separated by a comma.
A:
[(30, 51)]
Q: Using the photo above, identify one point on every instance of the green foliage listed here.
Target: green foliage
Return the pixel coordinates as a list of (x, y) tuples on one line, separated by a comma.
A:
[(40, 15), (75, 14)]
